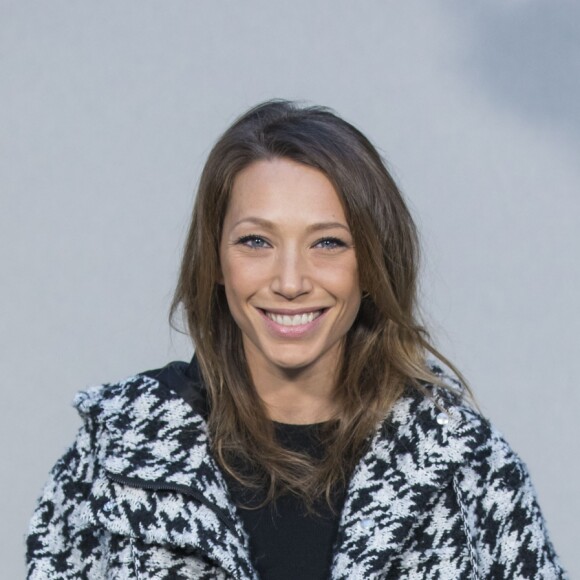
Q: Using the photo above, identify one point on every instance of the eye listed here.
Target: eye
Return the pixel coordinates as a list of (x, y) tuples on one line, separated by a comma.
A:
[(253, 241), (330, 243)]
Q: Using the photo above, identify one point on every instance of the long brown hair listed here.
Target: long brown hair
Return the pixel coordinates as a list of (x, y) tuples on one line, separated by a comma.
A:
[(384, 351)]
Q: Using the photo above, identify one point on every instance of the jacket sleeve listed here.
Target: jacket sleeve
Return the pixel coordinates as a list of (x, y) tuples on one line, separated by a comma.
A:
[(60, 544), (506, 531)]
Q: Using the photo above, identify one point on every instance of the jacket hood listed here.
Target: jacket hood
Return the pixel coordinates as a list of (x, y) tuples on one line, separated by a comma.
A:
[(151, 441)]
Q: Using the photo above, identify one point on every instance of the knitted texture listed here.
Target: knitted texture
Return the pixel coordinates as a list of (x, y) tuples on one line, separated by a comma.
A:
[(140, 496)]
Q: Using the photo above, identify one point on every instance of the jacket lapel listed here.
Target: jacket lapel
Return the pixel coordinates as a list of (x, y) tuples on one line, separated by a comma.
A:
[(411, 458), (159, 481)]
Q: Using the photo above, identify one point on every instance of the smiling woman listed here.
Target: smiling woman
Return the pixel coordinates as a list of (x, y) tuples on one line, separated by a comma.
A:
[(317, 432), (290, 276)]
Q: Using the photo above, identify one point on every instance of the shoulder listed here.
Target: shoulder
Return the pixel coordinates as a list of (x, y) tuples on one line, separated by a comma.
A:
[(440, 425), (138, 425), (481, 445), (102, 398), (146, 394), (111, 408), (126, 421)]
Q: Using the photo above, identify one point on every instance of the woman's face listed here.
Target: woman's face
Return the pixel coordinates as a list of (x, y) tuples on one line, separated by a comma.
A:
[(289, 267)]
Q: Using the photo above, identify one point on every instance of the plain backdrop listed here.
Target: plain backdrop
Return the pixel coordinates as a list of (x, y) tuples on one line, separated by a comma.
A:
[(109, 108)]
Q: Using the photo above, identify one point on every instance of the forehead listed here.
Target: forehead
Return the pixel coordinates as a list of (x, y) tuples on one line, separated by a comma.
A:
[(282, 190)]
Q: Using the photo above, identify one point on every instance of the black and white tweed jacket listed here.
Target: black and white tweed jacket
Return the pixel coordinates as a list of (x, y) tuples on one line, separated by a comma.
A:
[(139, 496)]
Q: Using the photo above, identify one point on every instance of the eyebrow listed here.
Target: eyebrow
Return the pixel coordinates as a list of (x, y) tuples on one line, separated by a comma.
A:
[(267, 224)]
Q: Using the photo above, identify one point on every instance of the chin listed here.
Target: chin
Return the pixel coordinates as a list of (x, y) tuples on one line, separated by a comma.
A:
[(294, 361), (288, 363)]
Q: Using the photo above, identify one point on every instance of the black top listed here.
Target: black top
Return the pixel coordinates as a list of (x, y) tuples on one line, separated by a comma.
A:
[(285, 542)]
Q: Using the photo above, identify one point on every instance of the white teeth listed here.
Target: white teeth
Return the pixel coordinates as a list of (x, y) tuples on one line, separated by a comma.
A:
[(295, 320)]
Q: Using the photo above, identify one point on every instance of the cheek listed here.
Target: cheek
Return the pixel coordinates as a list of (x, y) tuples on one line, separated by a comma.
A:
[(342, 279), (235, 299), (241, 275), (241, 279)]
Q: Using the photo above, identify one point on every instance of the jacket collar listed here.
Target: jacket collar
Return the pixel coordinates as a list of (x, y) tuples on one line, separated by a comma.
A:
[(155, 440)]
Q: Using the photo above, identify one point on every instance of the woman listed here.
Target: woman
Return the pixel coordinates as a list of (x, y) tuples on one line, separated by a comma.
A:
[(316, 433)]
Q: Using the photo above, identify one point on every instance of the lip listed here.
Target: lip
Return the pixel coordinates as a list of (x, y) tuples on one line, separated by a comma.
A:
[(298, 331), (292, 312)]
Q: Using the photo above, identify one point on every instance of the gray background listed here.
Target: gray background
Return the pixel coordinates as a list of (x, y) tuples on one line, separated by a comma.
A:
[(109, 108)]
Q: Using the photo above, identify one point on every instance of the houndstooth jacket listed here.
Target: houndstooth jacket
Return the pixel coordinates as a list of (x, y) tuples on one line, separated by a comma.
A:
[(438, 495)]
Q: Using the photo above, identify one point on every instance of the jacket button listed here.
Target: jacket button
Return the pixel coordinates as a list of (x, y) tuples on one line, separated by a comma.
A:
[(443, 418), (366, 523), (108, 507)]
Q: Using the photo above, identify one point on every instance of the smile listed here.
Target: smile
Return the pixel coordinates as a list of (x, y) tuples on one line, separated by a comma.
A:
[(293, 319)]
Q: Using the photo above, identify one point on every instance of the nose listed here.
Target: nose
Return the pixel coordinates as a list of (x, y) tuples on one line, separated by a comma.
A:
[(292, 276)]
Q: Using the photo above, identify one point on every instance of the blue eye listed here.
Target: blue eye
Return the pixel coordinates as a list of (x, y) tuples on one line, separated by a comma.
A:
[(255, 242), (330, 243)]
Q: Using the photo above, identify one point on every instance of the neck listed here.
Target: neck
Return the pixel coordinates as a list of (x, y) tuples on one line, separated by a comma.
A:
[(297, 403), (295, 396)]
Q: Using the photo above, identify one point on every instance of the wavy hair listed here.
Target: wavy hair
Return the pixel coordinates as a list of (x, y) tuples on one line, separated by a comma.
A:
[(384, 351)]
